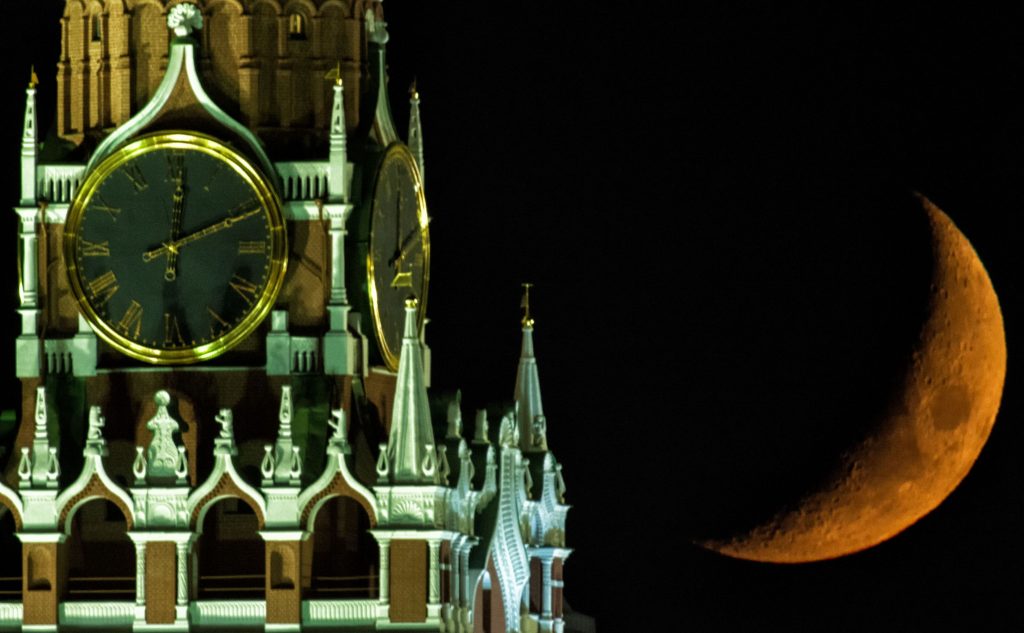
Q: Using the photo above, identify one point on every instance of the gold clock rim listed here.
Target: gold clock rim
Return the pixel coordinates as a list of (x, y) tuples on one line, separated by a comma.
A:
[(403, 153), (265, 193)]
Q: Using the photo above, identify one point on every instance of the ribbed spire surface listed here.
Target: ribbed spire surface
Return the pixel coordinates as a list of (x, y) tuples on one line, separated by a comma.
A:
[(532, 425), (411, 448)]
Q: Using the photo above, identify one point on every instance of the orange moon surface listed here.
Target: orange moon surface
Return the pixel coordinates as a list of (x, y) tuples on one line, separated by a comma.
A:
[(922, 447)]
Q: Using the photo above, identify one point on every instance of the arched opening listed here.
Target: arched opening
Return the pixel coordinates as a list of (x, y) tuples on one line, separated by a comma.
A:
[(230, 553), (485, 607), (100, 556), (296, 26), (10, 557), (97, 28), (345, 555)]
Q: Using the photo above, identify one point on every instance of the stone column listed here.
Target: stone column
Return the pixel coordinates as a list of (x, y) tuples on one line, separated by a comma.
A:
[(140, 573), (29, 261), (434, 595), (339, 295), (385, 568), (545, 591), (181, 595)]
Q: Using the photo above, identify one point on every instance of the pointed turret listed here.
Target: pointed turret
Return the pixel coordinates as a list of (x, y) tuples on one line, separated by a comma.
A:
[(411, 454), (416, 131), (29, 144), (337, 180), (383, 123), (530, 416)]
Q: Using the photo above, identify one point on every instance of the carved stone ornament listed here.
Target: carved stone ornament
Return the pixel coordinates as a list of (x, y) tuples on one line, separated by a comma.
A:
[(96, 422), (162, 455), (539, 431), (184, 18)]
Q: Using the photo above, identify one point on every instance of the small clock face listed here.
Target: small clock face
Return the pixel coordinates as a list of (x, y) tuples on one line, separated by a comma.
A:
[(175, 247), (399, 250)]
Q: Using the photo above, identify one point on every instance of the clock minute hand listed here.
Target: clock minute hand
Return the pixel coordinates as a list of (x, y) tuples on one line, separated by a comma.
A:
[(407, 242), (174, 246)]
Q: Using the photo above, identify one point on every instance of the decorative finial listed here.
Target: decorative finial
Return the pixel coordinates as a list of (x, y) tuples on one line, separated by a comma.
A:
[(335, 74), (184, 18), (412, 302), (225, 418), (525, 305), (413, 93), (33, 80)]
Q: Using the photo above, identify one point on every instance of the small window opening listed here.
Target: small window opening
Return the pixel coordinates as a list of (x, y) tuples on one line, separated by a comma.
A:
[(97, 29), (296, 26)]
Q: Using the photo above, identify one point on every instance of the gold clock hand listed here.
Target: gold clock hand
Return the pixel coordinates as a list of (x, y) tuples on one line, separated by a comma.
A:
[(407, 242), (174, 246), (171, 271)]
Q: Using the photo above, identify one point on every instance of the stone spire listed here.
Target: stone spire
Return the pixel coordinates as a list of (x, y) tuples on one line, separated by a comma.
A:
[(29, 144), (383, 123), (530, 415), (338, 153), (39, 467), (416, 131), (411, 455)]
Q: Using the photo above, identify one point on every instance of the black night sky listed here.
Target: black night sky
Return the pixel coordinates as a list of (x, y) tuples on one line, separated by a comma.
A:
[(712, 205)]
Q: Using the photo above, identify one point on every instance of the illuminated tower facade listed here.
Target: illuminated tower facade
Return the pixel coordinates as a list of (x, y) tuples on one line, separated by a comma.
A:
[(225, 421)]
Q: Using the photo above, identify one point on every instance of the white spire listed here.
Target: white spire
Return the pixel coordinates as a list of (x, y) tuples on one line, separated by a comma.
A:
[(337, 183), (410, 452), (416, 131), (530, 415), (29, 144)]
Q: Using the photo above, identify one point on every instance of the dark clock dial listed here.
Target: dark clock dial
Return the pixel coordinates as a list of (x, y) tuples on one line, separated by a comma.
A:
[(175, 248), (399, 250)]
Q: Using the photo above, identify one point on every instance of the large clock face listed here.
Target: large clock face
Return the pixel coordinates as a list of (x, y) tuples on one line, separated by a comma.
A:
[(399, 251), (176, 248)]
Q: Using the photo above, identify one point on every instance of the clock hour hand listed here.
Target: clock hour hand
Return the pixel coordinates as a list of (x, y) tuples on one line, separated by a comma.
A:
[(407, 242), (174, 246)]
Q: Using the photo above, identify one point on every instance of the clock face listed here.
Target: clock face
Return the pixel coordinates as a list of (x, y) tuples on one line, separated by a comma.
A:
[(176, 248), (399, 249)]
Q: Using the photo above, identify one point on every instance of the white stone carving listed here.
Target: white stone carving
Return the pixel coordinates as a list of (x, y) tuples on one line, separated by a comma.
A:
[(337, 612), (96, 613), (162, 455), (184, 18), (228, 612)]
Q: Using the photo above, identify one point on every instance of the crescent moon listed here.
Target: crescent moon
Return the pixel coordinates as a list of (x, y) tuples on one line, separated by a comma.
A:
[(925, 444)]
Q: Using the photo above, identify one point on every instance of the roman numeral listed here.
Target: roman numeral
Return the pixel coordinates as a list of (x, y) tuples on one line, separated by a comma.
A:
[(252, 248), (134, 174), (245, 288), (95, 249), (216, 318), (103, 287), (99, 204), (132, 320), (172, 332), (176, 165), (402, 280)]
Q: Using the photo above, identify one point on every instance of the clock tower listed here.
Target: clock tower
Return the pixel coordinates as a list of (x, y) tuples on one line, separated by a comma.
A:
[(223, 270)]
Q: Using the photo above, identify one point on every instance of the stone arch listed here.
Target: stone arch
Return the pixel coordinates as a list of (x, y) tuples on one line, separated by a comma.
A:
[(228, 555), (12, 507), (225, 489), (93, 490), (338, 487), (341, 555), (99, 557)]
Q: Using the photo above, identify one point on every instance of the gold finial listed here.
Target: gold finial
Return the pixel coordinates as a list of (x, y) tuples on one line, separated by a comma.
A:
[(335, 74), (525, 305), (412, 302), (413, 93), (33, 80)]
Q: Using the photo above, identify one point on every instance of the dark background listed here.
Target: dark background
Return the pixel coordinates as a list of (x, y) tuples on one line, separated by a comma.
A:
[(713, 205)]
